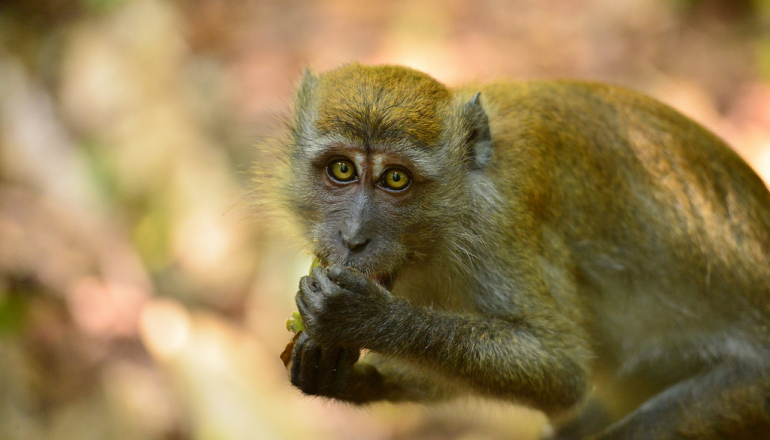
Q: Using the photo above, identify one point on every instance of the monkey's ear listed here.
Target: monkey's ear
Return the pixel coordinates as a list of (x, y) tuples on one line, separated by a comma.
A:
[(479, 140), (303, 103), (309, 82)]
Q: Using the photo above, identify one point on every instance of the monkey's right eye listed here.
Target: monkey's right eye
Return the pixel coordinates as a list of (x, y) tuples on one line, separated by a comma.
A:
[(341, 170)]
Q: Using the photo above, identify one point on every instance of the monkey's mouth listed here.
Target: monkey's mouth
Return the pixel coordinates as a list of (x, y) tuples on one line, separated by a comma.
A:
[(383, 279)]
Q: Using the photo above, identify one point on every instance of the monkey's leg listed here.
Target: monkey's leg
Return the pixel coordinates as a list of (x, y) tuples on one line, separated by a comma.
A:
[(611, 400), (592, 418), (730, 401)]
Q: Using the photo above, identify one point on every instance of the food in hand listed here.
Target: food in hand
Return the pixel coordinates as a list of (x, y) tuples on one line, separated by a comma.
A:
[(286, 353), (294, 324)]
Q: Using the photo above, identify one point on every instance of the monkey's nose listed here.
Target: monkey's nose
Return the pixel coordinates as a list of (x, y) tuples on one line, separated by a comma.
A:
[(356, 243)]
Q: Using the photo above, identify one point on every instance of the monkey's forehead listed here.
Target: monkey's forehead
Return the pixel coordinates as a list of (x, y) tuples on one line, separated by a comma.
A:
[(370, 125), (381, 103)]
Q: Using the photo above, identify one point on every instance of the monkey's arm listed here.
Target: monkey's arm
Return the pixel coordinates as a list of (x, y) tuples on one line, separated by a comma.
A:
[(512, 359)]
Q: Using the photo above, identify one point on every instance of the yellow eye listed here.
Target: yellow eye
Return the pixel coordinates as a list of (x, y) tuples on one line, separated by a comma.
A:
[(342, 170), (396, 179)]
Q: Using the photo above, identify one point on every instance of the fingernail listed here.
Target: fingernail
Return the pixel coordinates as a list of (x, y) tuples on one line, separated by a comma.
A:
[(335, 271)]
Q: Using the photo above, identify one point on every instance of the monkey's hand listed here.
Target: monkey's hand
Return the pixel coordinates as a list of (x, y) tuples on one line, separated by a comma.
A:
[(341, 307), (334, 372)]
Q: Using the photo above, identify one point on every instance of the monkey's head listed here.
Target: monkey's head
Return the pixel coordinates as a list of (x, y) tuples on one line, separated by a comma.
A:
[(384, 166)]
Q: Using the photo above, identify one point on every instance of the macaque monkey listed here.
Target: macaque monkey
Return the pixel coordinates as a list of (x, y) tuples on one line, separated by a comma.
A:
[(574, 247)]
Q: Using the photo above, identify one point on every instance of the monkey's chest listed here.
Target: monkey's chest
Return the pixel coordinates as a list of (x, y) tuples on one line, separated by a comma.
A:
[(427, 286)]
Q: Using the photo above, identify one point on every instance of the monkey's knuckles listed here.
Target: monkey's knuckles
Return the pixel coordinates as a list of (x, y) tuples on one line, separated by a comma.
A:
[(303, 359), (338, 306), (348, 278), (363, 287), (319, 309)]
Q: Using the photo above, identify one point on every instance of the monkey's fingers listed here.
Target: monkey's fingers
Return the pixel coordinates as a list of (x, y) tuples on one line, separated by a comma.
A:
[(305, 359), (335, 369), (348, 358), (307, 310), (327, 370), (309, 298), (351, 279), (307, 283), (321, 277)]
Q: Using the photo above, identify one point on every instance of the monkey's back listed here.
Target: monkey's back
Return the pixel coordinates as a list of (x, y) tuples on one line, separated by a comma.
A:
[(667, 229)]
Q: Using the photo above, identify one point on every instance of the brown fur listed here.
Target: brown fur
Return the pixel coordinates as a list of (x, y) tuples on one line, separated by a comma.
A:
[(585, 234), (387, 101)]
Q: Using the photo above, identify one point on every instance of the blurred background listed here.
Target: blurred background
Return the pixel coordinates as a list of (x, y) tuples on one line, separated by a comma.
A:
[(143, 294)]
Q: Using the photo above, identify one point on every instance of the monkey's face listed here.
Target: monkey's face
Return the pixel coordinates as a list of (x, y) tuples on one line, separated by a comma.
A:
[(379, 166), (370, 208)]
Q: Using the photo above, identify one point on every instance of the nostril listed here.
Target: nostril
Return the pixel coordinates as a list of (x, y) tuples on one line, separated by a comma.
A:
[(357, 247), (355, 244)]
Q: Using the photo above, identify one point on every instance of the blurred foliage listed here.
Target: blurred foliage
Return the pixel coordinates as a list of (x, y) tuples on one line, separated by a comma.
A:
[(143, 294), (12, 307)]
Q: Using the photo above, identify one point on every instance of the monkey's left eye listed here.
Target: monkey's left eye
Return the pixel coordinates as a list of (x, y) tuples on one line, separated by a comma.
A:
[(395, 179), (341, 170)]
